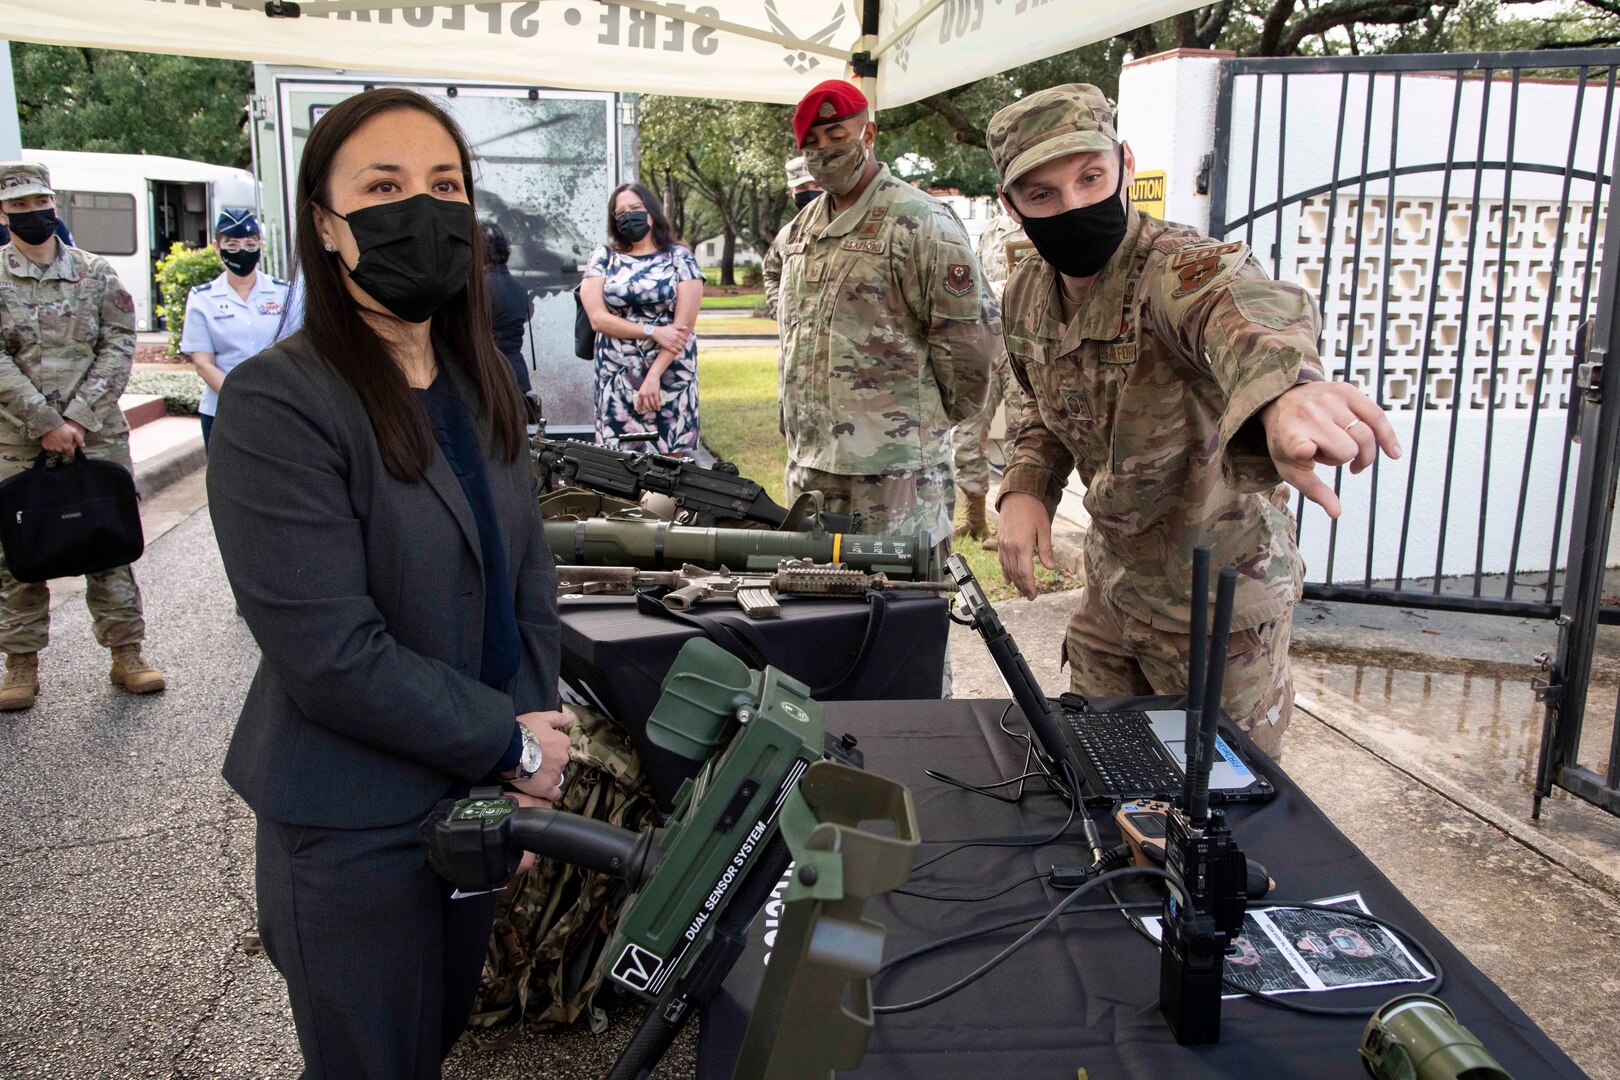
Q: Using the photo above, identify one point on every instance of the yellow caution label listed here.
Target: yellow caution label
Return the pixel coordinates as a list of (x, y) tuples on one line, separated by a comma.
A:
[(838, 542), (1147, 192)]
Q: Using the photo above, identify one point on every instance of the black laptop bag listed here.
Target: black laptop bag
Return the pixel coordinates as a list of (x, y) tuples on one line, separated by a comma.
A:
[(72, 518)]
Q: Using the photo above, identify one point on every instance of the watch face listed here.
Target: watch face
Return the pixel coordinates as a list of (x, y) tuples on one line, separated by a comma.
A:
[(482, 809)]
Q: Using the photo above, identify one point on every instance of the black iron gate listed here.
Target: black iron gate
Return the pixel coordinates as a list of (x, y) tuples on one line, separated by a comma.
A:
[(1448, 212)]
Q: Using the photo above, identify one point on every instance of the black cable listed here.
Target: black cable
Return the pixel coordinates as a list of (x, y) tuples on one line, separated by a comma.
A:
[(965, 844), (987, 790), (985, 931), (969, 899), (1028, 935)]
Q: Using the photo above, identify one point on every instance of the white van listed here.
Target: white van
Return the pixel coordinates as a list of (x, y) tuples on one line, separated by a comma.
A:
[(128, 208)]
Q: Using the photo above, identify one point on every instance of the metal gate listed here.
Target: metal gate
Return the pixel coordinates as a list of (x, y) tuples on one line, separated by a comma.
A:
[(1450, 214)]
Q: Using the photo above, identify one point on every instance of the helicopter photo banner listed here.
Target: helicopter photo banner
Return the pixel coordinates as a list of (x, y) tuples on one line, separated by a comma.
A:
[(763, 50)]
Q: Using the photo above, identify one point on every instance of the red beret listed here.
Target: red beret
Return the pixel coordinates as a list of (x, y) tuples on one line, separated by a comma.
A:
[(827, 103)]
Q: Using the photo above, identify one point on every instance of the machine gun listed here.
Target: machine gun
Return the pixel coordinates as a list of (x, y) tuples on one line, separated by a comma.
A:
[(634, 538), (703, 496), (775, 792), (757, 594)]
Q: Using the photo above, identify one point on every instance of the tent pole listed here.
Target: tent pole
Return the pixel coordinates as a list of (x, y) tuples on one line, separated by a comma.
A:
[(863, 65)]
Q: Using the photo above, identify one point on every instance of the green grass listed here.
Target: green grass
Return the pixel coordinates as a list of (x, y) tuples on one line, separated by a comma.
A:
[(740, 424), (739, 410), (722, 324), (742, 301)]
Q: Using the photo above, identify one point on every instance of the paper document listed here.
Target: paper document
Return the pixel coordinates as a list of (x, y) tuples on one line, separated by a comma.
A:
[(1289, 950)]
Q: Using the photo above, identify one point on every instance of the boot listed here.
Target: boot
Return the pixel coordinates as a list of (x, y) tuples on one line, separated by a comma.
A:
[(131, 671), (21, 684), (974, 526)]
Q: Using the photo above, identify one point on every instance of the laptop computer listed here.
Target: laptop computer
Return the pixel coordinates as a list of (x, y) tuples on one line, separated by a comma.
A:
[(1128, 754)]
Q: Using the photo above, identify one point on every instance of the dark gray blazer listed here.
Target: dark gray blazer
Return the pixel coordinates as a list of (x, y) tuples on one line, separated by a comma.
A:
[(365, 595)]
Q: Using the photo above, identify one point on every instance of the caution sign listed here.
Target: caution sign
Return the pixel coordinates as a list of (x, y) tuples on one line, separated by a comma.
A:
[(1147, 192)]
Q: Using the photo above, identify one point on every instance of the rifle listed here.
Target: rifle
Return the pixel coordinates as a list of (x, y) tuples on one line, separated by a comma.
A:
[(704, 496), (756, 594)]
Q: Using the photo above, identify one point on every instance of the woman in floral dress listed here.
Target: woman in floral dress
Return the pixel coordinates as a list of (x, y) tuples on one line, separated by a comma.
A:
[(642, 292)]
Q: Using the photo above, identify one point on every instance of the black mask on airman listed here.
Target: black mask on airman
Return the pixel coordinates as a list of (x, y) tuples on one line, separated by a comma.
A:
[(1080, 242)]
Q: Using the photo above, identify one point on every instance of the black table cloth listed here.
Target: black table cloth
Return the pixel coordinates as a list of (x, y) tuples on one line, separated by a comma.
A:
[(1084, 993)]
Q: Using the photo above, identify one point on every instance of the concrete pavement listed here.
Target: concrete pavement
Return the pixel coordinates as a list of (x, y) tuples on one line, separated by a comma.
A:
[(126, 864)]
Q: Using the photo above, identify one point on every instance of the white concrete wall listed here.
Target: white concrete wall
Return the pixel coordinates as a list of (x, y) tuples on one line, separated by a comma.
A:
[(1167, 114), (1493, 288)]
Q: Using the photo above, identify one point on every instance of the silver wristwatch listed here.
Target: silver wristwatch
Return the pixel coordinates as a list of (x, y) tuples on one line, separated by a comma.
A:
[(528, 761)]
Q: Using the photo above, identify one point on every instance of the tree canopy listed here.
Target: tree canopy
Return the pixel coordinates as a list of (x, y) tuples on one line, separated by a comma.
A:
[(133, 103)]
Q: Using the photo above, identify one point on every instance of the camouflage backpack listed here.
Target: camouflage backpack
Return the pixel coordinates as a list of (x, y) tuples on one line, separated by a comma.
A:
[(554, 920)]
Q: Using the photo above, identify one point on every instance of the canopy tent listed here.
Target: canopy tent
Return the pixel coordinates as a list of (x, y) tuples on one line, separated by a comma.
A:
[(764, 50)]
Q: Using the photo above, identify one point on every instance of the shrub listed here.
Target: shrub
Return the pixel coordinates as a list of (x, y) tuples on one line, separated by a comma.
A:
[(180, 271), (753, 276), (181, 390), (762, 310)]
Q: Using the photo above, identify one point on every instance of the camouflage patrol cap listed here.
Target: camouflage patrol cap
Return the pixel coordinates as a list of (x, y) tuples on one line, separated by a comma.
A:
[(797, 174), (21, 179), (1074, 118)]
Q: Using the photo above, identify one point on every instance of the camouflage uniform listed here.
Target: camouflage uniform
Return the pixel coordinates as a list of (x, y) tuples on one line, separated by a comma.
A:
[(1151, 386), (555, 919), (67, 343), (1002, 243), (887, 336)]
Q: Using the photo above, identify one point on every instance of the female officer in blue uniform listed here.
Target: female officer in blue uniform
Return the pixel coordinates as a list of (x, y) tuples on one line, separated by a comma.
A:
[(236, 315)]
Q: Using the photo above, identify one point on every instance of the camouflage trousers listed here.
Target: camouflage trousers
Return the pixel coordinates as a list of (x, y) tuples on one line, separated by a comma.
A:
[(1112, 654), (971, 438), (905, 503), (112, 596), (900, 503)]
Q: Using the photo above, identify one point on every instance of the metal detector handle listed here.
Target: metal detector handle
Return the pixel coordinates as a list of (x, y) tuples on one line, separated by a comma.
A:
[(587, 843), (668, 1015)]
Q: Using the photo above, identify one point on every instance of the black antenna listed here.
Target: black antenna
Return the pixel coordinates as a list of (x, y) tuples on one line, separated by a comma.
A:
[(1195, 665), (1225, 591)]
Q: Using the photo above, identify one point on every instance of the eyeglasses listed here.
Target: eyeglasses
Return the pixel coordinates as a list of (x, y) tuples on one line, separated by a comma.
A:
[(234, 245)]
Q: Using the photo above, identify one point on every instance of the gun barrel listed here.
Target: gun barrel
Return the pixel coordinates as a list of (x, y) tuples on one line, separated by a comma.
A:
[(657, 545)]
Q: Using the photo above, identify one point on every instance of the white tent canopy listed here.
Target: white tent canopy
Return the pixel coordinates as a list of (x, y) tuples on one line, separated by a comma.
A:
[(765, 50)]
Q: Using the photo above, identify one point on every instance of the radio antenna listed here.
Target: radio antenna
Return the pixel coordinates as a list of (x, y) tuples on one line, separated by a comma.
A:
[(1225, 592)]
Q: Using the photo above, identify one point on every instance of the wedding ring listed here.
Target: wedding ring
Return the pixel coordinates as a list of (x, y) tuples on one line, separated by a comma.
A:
[(1351, 425)]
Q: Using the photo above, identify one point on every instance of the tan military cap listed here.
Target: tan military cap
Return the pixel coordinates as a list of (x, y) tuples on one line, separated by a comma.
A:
[(1074, 118), (797, 174), (20, 179)]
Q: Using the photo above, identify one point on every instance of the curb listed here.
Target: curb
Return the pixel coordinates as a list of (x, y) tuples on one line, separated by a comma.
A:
[(1520, 831), (175, 463)]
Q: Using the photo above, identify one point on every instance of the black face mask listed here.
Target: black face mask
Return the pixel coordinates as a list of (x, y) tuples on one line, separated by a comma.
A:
[(240, 263), (804, 198), (415, 254), (633, 225), (1080, 242), (33, 226)]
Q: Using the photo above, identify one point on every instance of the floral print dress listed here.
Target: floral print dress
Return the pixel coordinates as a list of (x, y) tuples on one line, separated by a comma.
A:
[(641, 288)]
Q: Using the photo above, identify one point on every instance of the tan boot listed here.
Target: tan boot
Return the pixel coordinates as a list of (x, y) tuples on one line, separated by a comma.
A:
[(975, 525), (21, 684), (131, 671)]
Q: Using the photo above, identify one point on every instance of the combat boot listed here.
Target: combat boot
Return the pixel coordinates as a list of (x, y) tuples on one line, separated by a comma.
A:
[(131, 671), (974, 525), (21, 684)]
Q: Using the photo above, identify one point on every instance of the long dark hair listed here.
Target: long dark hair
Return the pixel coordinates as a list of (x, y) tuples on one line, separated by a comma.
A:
[(663, 236), (347, 341)]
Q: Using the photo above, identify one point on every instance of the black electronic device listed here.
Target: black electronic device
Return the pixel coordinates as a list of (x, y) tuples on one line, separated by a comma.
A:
[(1199, 849), (1124, 754)]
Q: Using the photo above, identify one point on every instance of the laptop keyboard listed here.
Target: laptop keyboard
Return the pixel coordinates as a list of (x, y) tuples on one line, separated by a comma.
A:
[(1122, 748)]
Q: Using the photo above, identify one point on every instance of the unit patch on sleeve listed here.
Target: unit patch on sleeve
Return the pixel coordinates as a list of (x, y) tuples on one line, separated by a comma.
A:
[(958, 279)]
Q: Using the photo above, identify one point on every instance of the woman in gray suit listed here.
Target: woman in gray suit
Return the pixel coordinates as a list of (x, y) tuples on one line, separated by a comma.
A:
[(375, 511)]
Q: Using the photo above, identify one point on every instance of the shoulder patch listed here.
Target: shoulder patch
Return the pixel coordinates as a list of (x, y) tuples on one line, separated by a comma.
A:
[(1016, 251), (1187, 256), (1194, 273), (959, 279)]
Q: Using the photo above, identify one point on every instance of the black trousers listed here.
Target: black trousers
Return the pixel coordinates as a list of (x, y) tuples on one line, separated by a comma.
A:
[(381, 965)]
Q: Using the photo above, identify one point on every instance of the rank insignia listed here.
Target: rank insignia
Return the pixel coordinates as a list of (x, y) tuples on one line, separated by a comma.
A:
[(958, 279)]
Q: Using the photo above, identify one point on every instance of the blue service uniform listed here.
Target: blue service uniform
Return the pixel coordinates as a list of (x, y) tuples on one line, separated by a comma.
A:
[(219, 321)]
